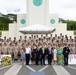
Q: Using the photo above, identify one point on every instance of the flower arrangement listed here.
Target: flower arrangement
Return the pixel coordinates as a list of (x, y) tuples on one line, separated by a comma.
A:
[(6, 60)]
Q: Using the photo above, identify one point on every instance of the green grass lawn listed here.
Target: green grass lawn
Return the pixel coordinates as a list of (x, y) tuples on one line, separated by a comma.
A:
[(74, 32), (2, 31)]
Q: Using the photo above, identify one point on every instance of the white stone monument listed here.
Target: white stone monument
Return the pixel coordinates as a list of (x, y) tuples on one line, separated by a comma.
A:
[(37, 13)]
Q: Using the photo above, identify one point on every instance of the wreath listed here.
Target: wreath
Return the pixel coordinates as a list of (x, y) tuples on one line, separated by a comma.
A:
[(6, 60)]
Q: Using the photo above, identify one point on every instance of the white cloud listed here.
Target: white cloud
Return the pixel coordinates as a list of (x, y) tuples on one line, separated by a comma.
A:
[(65, 8), (13, 5)]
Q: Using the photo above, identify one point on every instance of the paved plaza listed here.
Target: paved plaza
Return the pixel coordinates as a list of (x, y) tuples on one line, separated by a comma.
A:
[(17, 69)]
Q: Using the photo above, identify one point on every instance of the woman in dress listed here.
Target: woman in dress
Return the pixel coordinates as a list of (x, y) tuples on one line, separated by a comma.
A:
[(59, 55), (23, 54), (54, 55), (33, 55)]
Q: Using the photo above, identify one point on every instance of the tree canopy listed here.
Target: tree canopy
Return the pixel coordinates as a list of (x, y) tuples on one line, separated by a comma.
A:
[(71, 24), (5, 20)]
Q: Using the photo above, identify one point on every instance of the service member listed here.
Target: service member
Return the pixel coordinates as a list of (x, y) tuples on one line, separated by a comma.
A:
[(66, 51), (16, 50)]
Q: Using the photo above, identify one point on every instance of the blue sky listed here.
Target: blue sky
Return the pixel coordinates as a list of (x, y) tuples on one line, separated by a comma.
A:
[(65, 8)]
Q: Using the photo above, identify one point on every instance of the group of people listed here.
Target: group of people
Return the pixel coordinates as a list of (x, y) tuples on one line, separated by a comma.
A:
[(39, 48), (39, 53)]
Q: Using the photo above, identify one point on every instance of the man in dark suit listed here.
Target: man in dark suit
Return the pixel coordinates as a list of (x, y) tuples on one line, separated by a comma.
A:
[(50, 55), (66, 51), (37, 53), (43, 52)]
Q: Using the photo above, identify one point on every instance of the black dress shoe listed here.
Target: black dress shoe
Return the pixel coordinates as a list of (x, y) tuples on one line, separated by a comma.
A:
[(15, 59)]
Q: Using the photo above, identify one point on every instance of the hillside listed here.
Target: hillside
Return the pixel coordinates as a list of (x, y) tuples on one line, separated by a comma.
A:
[(9, 18), (6, 19)]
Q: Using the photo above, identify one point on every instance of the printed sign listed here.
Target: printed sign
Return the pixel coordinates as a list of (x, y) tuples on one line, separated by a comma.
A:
[(72, 59)]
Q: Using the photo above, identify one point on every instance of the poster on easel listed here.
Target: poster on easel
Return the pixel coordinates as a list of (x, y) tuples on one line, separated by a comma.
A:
[(72, 59), (5, 60)]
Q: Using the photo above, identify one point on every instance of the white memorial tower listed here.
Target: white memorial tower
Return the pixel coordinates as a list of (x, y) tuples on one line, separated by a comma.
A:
[(37, 12)]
